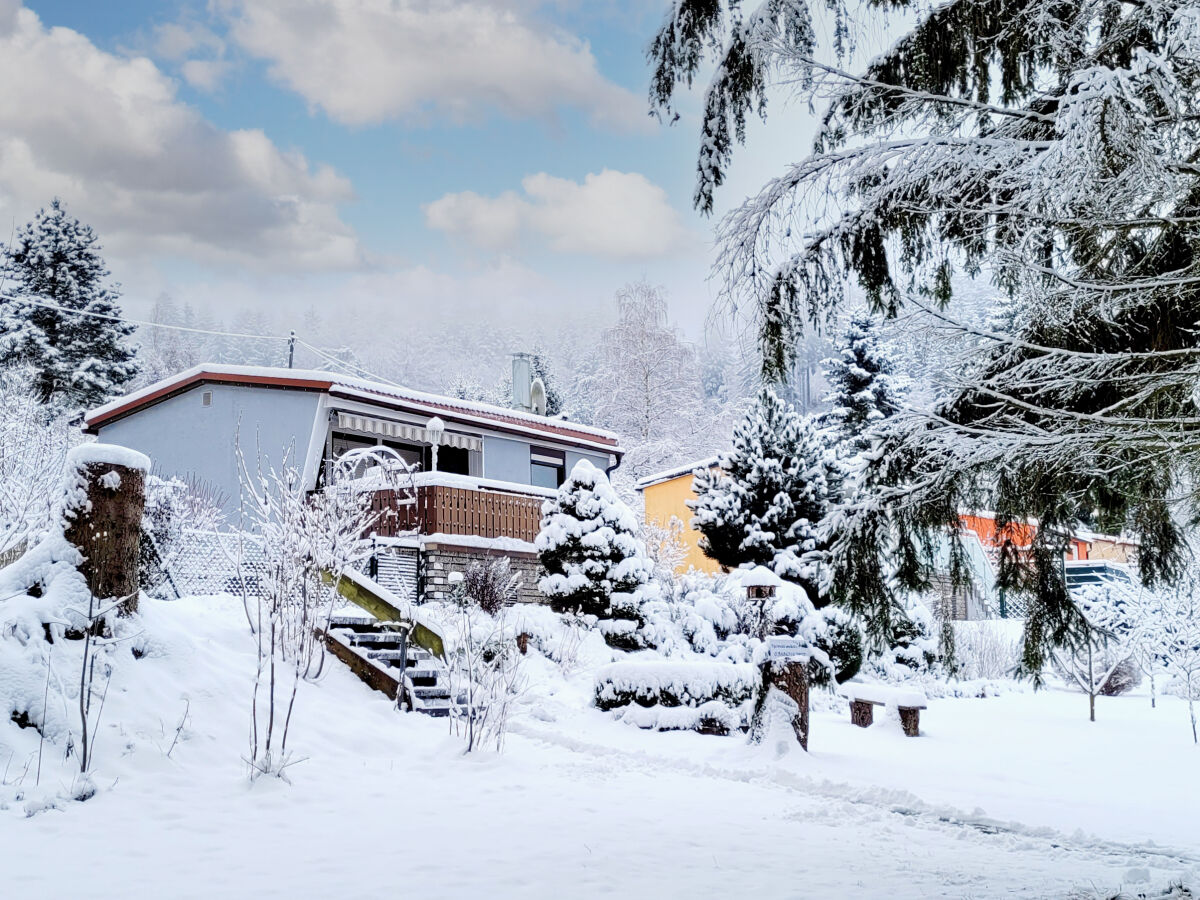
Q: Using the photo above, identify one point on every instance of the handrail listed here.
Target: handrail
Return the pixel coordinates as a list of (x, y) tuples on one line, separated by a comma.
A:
[(387, 607)]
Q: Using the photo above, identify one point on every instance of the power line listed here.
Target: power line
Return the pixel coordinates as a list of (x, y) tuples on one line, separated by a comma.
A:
[(141, 323), (352, 368)]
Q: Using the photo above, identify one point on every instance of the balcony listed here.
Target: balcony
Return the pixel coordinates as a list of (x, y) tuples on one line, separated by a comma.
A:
[(461, 505)]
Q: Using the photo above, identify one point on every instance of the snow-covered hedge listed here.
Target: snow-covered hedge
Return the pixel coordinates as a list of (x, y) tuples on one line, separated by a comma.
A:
[(671, 684)]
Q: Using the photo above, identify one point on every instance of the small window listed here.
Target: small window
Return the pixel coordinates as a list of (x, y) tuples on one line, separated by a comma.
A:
[(206, 398), (547, 468)]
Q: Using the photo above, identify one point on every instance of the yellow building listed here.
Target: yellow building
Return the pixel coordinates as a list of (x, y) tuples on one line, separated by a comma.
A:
[(665, 496)]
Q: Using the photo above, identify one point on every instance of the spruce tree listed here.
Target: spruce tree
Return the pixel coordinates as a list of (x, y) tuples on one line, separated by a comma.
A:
[(764, 502), (80, 360), (863, 388), (589, 546)]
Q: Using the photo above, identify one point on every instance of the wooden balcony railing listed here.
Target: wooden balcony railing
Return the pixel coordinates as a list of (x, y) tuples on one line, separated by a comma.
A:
[(449, 509)]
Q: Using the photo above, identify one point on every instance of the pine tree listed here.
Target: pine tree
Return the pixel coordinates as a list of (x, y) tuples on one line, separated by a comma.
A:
[(589, 546), (81, 360), (863, 386), (764, 502)]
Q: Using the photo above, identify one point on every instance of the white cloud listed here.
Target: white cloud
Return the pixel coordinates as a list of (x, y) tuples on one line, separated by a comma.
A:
[(367, 61), (109, 136), (198, 51), (618, 215)]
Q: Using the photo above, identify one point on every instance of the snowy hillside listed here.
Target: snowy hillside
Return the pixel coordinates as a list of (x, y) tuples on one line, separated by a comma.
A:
[(1016, 795)]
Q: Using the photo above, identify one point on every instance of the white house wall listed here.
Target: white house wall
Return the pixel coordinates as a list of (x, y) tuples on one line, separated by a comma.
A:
[(184, 438)]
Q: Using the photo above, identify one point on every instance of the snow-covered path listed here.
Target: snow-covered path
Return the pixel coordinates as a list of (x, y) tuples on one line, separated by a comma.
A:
[(577, 806)]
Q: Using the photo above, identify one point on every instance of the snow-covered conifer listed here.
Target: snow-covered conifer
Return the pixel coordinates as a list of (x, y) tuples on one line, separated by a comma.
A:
[(81, 360), (764, 502), (589, 545), (863, 386)]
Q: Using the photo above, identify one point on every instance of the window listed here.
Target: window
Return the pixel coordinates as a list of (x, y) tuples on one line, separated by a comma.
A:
[(547, 468), (206, 398)]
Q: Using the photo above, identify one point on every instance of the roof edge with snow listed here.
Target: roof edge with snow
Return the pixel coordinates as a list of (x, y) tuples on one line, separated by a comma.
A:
[(346, 386)]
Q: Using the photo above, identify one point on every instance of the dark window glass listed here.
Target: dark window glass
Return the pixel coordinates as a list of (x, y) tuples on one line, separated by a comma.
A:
[(547, 476)]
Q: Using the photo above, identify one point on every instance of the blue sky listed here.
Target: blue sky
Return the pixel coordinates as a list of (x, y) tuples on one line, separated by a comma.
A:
[(372, 154)]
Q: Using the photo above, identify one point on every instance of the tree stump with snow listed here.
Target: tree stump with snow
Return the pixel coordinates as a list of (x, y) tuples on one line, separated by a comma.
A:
[(106, 496), (862, 713), (791, 678)]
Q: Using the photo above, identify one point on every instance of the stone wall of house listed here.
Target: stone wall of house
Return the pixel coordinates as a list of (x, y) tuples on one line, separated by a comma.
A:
[(439, 560)]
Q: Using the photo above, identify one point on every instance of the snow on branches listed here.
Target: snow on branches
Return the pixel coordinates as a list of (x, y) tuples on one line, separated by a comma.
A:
[(57, 315), (764, 502), (589, 545)]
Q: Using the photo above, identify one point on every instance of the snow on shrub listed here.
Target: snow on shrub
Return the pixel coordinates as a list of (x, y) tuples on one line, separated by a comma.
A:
[(589, 545), (912, 653), (672, 684)]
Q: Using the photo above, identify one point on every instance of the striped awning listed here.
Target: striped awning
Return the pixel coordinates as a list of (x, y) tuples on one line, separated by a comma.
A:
[(406, 431)]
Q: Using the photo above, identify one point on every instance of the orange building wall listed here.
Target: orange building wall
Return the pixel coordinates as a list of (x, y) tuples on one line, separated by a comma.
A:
[(1021, 535), (669, 498)]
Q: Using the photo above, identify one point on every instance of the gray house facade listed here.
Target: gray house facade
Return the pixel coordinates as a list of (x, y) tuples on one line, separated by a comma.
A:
[(192, 425)]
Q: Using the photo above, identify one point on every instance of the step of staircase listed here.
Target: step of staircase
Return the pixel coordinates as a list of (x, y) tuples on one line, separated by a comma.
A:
[(372, 651)]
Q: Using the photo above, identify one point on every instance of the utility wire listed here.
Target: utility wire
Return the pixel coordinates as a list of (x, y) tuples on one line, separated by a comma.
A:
[(141, 323), (351, 368)]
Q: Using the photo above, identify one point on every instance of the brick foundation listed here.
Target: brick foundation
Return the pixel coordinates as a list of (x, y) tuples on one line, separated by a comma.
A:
[(439, 560)]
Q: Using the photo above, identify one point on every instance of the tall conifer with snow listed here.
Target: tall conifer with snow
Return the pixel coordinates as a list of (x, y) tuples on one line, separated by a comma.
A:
[(589, 546), (80, 360), (1051, 148), (764, 501), (863, 387)]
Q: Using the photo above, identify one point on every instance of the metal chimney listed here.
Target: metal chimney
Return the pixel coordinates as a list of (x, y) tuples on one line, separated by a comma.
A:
[(522, 382)]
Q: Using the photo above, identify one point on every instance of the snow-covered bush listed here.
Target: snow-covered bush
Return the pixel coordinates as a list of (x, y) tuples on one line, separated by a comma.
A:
[(34, 439), (490, 584), (590, 547), (692, 613), (984, 651), (60, 644), (305, 538), (715, 695), (485, 671), (912, 651), (839, 637)]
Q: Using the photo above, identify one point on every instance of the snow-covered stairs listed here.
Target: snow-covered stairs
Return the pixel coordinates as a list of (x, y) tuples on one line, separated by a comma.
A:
[(375, 652)]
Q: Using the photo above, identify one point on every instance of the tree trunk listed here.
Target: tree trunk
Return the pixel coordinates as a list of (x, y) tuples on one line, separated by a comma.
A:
[(106, 526), (792, 679)]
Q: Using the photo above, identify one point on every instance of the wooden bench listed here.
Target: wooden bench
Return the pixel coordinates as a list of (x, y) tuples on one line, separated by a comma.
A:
[(863, 697)]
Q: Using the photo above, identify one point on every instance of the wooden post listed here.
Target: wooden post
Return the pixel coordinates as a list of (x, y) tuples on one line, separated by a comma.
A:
[(104, 518), (910, 721), (862, 713)]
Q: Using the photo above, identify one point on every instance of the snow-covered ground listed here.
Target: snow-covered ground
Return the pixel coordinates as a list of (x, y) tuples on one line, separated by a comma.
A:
[(1017, 795)]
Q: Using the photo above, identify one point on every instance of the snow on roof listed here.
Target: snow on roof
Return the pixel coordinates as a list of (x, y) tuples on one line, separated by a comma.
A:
[(759, 576), (686, 469), (345, 385)]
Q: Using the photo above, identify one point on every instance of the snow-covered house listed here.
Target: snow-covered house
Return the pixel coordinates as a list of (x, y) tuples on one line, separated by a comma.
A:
[(494, 465)]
